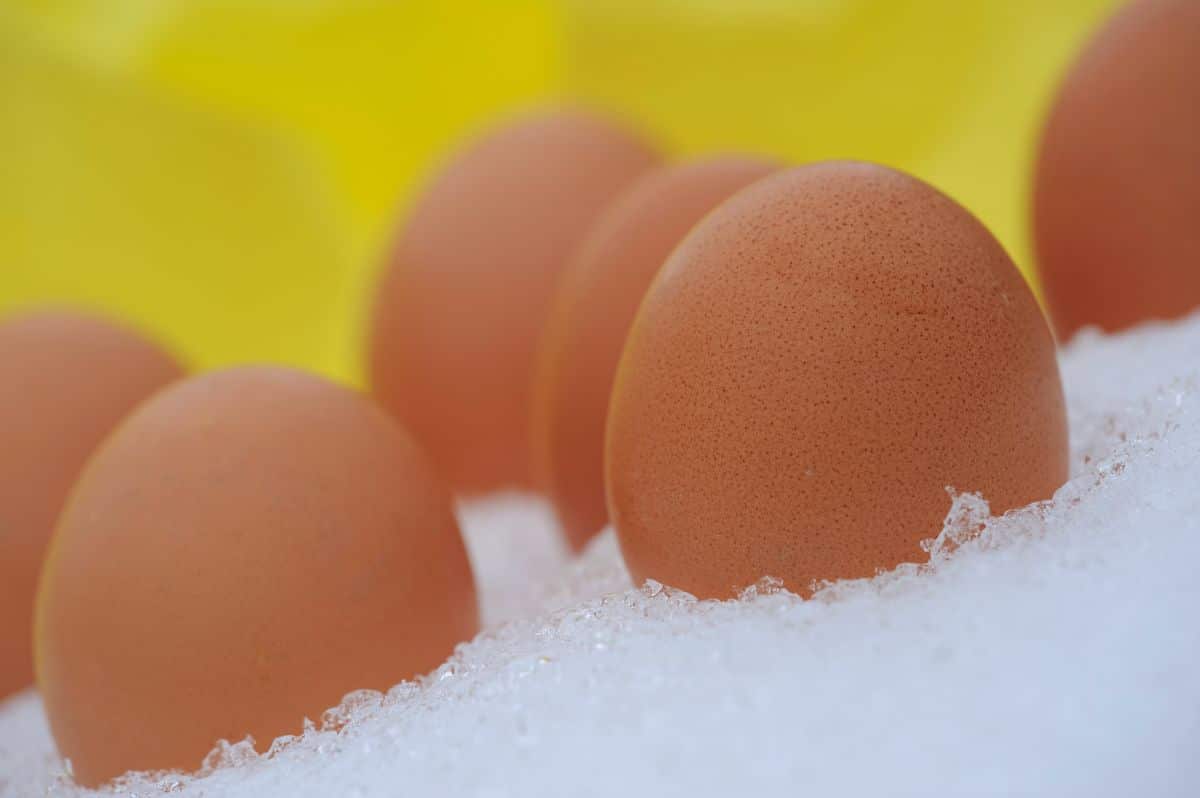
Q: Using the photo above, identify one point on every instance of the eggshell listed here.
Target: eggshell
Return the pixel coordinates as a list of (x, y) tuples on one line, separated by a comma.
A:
[(593, 310), (1117, 189), (471, 276), (248, 547), (66, 379), (815, 364)]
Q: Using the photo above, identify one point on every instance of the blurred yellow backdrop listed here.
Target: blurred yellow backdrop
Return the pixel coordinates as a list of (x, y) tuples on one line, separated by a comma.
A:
[(226, 172)]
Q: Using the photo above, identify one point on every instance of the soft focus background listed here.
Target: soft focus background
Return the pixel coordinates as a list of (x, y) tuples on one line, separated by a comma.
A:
[(227, 172)]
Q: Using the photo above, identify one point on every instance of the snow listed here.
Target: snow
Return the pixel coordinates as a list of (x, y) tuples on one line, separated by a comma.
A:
[(1052, 651)]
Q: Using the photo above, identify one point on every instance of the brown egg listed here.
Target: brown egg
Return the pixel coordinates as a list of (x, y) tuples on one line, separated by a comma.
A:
[(1117, 190), (248, 547), (815, 363), (66, 379), (593, 310), (470, 280)]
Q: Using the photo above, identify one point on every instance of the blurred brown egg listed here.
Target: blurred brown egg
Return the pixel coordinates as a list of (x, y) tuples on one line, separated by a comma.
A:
[(250, 546), (66, 380), (816, 362), (1117, 189), (471, 276), (593, 309)]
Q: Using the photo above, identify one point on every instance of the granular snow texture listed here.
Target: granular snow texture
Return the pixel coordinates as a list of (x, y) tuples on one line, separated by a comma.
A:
[(1052, 651)]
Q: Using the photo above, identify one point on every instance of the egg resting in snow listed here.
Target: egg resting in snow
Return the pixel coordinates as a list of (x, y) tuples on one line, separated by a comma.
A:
[(250, 546), (1117, 190), (470, 278), (815, 364), (66, 380), (593, 309)]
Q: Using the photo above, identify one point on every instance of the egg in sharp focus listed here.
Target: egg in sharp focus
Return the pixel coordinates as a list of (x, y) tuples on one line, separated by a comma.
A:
[(469, 282), (593, 309), (1117, 186), (248, 547), (815, 364), (66, 380)]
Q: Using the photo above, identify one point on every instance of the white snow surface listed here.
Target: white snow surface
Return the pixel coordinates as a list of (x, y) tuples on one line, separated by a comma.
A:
[(1052, 651)]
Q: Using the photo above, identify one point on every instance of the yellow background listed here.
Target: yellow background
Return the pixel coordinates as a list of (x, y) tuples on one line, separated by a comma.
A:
[(226, 172)]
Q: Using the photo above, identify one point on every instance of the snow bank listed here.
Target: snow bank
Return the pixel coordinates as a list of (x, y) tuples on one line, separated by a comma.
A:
[(1052, 651)]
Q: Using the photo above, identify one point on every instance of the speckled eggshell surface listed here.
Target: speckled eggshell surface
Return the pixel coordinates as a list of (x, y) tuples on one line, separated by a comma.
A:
[(593, 309), (815, 364), (66, 380), (470, 278), (1117, 188), (247, 548)]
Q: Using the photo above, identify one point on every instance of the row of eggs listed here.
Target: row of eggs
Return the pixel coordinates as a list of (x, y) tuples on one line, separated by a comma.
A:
[(758, 370)]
